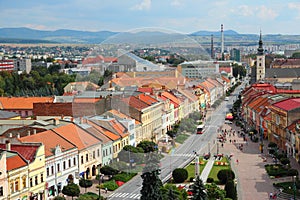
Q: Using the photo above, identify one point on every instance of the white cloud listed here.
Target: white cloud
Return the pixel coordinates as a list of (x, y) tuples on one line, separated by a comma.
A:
[(294, 5), (176, 3), (245, 10), (265, 13), (144, 5)]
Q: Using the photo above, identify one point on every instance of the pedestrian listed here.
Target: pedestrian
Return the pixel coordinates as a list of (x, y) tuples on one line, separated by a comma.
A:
[(105, 190), (237, 161), (271, 195)]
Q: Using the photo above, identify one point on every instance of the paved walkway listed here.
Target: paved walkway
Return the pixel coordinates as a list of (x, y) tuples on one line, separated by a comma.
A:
[(205, 172)]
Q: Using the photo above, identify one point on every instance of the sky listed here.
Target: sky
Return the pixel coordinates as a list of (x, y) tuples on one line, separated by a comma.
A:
[(180, 16)]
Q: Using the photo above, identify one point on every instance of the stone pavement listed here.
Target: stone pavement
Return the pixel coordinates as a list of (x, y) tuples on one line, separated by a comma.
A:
[(248, 164)]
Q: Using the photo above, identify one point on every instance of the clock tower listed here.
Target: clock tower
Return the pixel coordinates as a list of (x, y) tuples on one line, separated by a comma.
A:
[(260, 61)]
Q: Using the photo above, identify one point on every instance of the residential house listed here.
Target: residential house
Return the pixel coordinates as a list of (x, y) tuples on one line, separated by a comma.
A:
[(87, 145), (34, 154), (61, 160), (22, 105), (283, 114)]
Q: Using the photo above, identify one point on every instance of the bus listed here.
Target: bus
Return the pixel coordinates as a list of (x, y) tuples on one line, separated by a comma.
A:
[(200, 129)]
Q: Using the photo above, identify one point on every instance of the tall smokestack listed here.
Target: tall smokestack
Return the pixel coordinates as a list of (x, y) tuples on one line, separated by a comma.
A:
[(212, 47), (222, 42)]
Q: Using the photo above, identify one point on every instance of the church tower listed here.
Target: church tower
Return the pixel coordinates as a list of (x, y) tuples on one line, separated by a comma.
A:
[(260, 61)]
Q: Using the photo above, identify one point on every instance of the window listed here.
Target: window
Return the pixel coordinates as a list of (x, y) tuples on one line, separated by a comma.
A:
[(52, 170), (94, 154), (103, 153), (81, 159), (58, 167), (98, 152), (42, 178), (277, 119), (30, 182), (12, 188), (36, 180), (74, 161), (24, 182), (16, 186), (47, 171), (86, 157), (64, 165), (70, 163), (1, 191), (106, 152)]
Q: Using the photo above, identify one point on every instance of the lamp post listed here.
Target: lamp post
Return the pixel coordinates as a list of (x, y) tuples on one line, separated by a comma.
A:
[(99, 176), (294, 187)]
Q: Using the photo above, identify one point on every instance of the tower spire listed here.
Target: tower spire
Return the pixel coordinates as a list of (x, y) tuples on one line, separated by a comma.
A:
[(260, 50)]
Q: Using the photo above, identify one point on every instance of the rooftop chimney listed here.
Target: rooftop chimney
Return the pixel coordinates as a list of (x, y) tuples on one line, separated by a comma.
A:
[(7, 145)]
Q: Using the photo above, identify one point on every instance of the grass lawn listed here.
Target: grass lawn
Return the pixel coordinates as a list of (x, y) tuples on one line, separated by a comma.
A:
[(181, 138), (216, 168), (288, 187), (191, 168)]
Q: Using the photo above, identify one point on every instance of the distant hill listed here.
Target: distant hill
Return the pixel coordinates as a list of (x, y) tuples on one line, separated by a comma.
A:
[(62, 35), (208, 33), (27, 35)]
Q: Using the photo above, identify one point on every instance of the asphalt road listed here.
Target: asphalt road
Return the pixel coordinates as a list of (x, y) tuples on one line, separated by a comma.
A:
[(185, 153)]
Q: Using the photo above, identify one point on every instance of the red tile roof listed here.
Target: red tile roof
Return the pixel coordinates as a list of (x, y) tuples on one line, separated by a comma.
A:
[(28, 151), (15, 162), (49, 144), (146, 90), (288, 104), (147, 99), (135, 102), (77, 136), (8, 103), (106, 132)]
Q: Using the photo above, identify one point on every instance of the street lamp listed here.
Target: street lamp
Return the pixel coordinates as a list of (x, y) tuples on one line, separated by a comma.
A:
[(99, 176), (294, 187)]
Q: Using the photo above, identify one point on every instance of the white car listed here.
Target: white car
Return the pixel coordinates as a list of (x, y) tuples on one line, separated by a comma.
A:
[(228, 122), (226, 99)]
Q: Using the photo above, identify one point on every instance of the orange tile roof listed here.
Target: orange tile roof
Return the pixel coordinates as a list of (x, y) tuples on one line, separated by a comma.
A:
[(106, 132), (147, 99), (135, 102), (15, 162), (49, 144), (113, 126), (78, 136), (8, 103), (116, 113), (86, 100), (172, 97)]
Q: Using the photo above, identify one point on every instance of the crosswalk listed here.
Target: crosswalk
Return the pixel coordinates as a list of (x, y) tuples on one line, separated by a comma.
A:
[(124, 195), (183, 154), (285, 196)]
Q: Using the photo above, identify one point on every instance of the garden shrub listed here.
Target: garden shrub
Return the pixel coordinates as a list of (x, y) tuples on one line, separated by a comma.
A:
[(225, 174), (180, 175), (210, 180), (124, 177), (107, 170), (110, 185)]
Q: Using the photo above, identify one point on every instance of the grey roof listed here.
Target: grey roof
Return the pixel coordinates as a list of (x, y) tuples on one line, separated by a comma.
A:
[(7, 114), (282, 73)]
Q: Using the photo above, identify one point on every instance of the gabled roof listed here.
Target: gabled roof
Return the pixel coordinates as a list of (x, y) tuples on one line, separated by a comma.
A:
[(135, 102), (8, 103), (107, 133), (113, 126), (7, 114), (28, 151), (77, 136), (118, 115), (50, 140), (288, 104), (147, 99), (13, 160)]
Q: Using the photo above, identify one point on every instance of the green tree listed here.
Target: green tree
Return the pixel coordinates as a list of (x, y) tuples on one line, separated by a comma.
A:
[(71, 190), (180, 175), (131, 153), (148, 146), (85, 183), (225, 174), (107, 170), (214, 192), (171, 192), (151, 181), (198, 190), (59, 198), (230, 189), (296, 55)]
